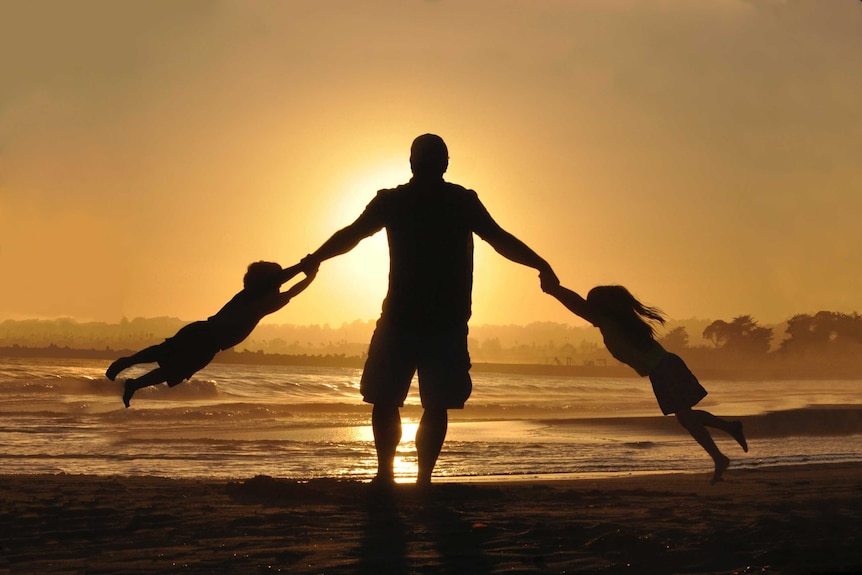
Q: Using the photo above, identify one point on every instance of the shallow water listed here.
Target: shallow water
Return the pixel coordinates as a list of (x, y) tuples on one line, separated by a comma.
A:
[(235, 421)]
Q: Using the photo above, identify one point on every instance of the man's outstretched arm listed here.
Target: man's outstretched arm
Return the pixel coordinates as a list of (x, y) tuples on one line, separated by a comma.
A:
[(517, 251), (339, 243)]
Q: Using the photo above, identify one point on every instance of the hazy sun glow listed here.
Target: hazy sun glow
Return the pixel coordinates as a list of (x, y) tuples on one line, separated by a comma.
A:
[(151, 150), (365, 268)]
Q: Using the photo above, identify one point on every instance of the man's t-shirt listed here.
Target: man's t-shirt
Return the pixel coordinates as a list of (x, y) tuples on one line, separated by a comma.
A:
[(430, 228)]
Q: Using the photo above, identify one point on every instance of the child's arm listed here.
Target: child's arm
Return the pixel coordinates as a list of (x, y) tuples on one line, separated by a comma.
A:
[(294, 290), (298, 288), (288, 273), (574, 302)]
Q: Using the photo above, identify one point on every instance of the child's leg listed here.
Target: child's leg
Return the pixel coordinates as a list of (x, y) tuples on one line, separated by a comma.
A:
[(693, 424), (734, 428), (154, 377), (147, 355)]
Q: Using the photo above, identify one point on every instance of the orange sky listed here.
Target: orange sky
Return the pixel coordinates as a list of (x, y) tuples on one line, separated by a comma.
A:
[(705, 154)]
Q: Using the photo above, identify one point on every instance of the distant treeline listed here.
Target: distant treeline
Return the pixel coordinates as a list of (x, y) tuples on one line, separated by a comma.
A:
[(538, 342), (826, 344)]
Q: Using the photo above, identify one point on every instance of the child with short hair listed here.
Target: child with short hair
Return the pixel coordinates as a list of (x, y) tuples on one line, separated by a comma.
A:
[(628, 333), (195, 345)]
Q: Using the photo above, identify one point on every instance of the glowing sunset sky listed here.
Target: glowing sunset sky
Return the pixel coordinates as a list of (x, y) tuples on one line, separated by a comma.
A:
[(705, 154)]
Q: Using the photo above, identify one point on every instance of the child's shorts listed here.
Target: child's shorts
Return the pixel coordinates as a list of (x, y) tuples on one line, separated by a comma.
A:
[(674, 385), (188, 352), (441, 359)]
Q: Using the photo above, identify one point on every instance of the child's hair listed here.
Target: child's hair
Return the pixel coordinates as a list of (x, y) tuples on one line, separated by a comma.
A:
[(618, 304), (261, 274)]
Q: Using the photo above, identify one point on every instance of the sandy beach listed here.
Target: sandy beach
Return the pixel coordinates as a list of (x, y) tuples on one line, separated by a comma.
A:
[(799, 519)]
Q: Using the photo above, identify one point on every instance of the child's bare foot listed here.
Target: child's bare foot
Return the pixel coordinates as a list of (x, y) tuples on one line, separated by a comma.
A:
[(738, 435), (721, 466), (114, 370), (128, 392)]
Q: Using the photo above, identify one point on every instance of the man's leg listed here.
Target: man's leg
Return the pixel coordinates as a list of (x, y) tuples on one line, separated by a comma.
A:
[(429, 441), (386, 424)]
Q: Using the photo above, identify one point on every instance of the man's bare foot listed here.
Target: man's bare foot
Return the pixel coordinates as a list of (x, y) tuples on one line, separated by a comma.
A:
[(721, 466), (128, 392), (382, 487), (383, 481), (423, 486), (738, 435)]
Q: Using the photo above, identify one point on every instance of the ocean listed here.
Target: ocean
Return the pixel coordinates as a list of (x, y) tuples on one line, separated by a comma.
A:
[(239, 421)]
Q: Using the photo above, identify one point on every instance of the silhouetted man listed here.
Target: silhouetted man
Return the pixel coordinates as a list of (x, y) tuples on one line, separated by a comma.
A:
[(423, 326)]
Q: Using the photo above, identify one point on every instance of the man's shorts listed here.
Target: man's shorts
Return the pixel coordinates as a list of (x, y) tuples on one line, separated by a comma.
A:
[(674, 385), (441, 359)]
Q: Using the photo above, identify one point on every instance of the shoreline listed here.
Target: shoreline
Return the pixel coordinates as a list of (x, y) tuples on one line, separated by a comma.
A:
[(783, 519), (561, 478)]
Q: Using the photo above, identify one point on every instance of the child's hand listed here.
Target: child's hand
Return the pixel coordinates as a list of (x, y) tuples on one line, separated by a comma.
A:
[(549, 281), (309, 265)]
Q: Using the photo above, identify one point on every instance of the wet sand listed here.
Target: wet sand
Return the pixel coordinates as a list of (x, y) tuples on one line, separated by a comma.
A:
[(799, 519)]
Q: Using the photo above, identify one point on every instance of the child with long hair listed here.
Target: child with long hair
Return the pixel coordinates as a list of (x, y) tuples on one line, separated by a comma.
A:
[(195, 345), (628, 332)]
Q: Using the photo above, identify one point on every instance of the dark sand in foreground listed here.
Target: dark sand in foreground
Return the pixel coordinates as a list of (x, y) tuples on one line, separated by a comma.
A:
[(801, 519)]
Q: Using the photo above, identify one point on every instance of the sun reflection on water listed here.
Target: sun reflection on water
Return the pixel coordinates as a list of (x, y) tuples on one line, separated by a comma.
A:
[(405, 456)]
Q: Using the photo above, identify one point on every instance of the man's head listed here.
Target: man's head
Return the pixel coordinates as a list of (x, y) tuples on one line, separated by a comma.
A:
[(429, 156)]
